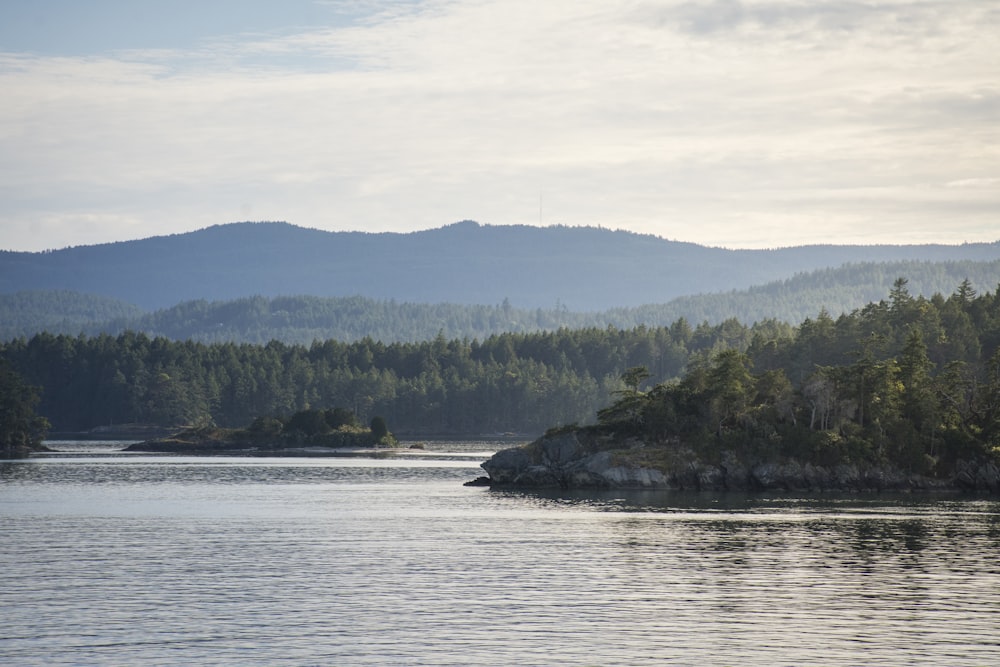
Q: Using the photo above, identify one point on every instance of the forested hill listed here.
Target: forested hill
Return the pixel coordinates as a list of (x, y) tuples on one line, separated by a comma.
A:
[(579, 268), (303, 319)]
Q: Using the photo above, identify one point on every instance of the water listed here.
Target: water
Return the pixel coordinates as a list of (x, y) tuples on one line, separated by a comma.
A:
[(124, 559)]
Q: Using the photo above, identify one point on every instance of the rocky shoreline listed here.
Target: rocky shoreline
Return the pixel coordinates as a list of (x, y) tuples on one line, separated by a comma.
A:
[(563, 461)]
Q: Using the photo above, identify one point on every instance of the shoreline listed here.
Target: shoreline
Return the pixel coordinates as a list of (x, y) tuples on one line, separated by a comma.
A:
[(564, 462)]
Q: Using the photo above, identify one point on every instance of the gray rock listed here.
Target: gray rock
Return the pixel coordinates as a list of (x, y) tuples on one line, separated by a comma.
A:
[(564, 462), (847, 477), (764, 476), (590, 471), (989, 476), (817, 478), (560, 451), (634, 477), (597, 463), (506, 465), (686, 478), (976, 476), (536, 476), (711, 478)]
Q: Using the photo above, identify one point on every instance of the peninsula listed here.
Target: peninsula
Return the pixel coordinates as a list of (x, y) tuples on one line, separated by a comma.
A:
[(903, 394), (586, 458)]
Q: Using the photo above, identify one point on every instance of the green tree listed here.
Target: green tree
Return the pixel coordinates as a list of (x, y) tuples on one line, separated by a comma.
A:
[(988, 405), (379, 428), (919, 404), (820, 393), (965, 293), (21, 430), (730, 388), (307, 423), (340, 417), (775, 396), (633, 377), (628, 410)]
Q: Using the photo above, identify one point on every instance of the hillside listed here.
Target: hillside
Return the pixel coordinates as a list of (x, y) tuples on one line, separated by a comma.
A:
[(302, 319), (579, 268), (838, 290)]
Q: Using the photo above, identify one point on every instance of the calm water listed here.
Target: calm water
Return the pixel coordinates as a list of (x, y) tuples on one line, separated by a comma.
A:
[(113, 559)]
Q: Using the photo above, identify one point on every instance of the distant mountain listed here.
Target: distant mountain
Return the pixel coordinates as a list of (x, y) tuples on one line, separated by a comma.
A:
[(577, 268), (303, 319)]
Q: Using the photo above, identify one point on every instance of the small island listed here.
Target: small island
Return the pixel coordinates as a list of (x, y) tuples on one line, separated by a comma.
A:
[(307, 432)]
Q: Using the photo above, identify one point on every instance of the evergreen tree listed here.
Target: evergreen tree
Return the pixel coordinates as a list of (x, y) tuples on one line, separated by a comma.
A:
[(21, 430)]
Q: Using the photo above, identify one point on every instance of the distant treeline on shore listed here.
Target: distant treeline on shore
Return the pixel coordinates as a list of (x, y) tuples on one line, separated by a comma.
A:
[(513, 382)]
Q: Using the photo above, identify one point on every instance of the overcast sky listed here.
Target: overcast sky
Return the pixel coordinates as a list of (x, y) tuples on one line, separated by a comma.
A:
[(737, 123)]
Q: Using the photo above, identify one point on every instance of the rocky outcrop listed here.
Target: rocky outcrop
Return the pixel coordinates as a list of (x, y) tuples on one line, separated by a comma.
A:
[(563, 461), (977, 476), (560, 461)]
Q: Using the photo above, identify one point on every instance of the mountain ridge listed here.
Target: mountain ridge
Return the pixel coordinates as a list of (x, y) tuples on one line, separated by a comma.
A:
[(586, 269)]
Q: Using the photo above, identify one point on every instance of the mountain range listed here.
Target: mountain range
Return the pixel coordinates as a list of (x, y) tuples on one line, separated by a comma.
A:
[(582, 269)]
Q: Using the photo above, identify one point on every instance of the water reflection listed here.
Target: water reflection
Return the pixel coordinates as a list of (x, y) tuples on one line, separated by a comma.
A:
[(855, 504), (861, 532), (181, 560)]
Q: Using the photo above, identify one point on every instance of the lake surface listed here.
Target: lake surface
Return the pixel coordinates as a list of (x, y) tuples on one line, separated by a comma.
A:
[(122, 559)]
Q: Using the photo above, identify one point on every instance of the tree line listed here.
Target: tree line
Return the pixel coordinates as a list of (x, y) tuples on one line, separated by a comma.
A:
[(518, 382)]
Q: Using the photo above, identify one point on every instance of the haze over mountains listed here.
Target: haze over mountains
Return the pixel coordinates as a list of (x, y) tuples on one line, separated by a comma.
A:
[(582, 269)]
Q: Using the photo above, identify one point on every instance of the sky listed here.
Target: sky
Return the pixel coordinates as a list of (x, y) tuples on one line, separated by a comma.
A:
[(732, 123)]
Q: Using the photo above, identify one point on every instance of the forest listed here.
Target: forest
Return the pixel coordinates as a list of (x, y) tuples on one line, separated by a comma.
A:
[(303, 319), (926, 364), (910, 383)]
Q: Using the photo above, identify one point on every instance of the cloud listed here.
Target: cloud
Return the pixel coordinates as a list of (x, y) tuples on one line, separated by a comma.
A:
[(975, 183), (803, 120)]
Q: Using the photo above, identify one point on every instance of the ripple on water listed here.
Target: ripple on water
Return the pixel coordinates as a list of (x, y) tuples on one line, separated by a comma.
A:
[(234, 562)]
